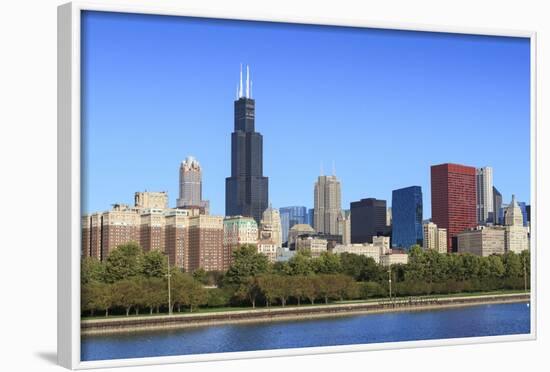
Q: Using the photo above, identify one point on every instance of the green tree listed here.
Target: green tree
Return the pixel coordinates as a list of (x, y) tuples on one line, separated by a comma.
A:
[(154, 264), (353, 264), (91, 270), (247, 262), (154, 293), (310, 287), (127, 294), (123, 262), (249, 289), (513, 265), (200, 276), (101, 296), (300, 263), (217, 297), (327, 263)]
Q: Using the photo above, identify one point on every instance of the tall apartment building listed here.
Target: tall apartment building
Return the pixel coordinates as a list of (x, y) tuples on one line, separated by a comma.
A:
[(151, 200), (434, 238), (291, 216), (176, 239), (190, 185), (119, 226), (206, 243), (237, 231), (407, 217), (246, 191), (344, 226), (453, 199), (327, 204), (484, 195), (151, 229), (368, 219), (270, 227)]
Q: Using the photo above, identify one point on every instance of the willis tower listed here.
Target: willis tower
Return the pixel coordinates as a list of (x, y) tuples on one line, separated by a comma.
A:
[(246, 191)]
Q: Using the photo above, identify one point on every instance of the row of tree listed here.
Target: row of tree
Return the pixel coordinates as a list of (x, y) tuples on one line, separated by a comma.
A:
[(130, 279)]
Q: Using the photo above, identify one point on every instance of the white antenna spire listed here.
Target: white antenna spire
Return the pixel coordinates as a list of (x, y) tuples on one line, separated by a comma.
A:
[(247, 82), (241, 82), (250, 88)]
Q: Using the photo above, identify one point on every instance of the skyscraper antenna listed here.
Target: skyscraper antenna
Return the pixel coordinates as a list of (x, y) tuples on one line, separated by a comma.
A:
[(241, 82), (250, 88), (247, 82)]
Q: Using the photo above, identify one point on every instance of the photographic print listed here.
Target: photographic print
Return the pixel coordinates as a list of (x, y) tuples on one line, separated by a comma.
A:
[(254, 185)]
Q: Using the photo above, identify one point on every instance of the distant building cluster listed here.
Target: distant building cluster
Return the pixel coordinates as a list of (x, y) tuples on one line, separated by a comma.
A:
[(467, 216)]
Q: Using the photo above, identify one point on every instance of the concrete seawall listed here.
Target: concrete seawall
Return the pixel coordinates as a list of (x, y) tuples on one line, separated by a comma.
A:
[(148, 323)]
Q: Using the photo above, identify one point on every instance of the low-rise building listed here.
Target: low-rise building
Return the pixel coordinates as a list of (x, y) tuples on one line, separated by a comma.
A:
[(314, 244), (395, 257), (482, 241)]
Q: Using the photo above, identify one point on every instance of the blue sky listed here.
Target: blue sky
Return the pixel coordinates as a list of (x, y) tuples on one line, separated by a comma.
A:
[(382, 105)]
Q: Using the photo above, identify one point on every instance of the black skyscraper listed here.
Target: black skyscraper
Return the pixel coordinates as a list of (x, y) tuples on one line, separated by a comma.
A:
[(368, 219), (246, 191)]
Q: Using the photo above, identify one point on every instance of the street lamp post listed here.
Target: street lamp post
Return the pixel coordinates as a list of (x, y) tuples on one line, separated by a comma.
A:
[(168, 275), (389, 279)]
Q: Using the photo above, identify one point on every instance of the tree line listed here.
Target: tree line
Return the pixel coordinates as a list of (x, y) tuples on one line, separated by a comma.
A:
[(131, 280)]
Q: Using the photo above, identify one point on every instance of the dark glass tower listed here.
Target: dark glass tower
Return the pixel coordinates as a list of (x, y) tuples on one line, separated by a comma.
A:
[(406, 206), (246, 191)]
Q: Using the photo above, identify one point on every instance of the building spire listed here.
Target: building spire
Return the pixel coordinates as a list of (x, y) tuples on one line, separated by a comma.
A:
[(241, 82), (247, 82), (251, 88)]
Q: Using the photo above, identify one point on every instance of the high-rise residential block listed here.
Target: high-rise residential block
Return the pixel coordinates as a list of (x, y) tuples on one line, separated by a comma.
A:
[(246, 191), (453, 199), (327, 204), (119, 226), (151, 229), (205, 247), (407, 217), (237, 231), (484, 195), (291, 216), (151, 200), (176, 227), (434, 238), (368, 219), (190, 185)]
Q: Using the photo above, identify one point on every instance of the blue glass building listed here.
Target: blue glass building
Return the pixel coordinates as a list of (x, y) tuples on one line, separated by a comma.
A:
[(406, 217), (291, 216)]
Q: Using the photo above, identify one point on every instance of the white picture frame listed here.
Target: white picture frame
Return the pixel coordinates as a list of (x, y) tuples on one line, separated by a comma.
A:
[(69, 189)]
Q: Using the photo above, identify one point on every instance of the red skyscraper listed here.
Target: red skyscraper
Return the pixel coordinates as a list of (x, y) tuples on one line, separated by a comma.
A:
[(453, 199)]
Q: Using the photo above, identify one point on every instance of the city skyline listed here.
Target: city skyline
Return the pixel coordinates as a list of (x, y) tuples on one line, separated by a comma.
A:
[(111, 181)]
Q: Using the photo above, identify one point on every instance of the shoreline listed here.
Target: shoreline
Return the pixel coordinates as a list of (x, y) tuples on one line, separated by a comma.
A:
[(189, 320)]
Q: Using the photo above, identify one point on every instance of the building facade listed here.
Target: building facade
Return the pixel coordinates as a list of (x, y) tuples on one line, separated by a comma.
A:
[(327, 204), (453, 199), (270, 227), (297, 230), (291, 216), (434, 238), (516, 234), (246, 191), (237, 231), (368, 219), (484, 195), (482, 241), (206, 250), (407, 217), (344, 226), (151, 200), (190, 185), (314, 244), (394, 258), (379, 247), (497, 207)]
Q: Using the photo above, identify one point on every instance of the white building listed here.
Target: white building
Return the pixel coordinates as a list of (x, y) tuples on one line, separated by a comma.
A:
[(434, 238), (379, 247), (484, 194), (268, 248), (270, 226), (314, 244), (394, 258), (482, 241), (344, 227), (516, 235)]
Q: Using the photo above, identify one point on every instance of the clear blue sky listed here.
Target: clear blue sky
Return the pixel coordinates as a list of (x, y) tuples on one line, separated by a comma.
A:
[(383, 105)]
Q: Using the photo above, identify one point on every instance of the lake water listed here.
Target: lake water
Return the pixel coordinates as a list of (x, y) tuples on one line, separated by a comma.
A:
[(474, 321)]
